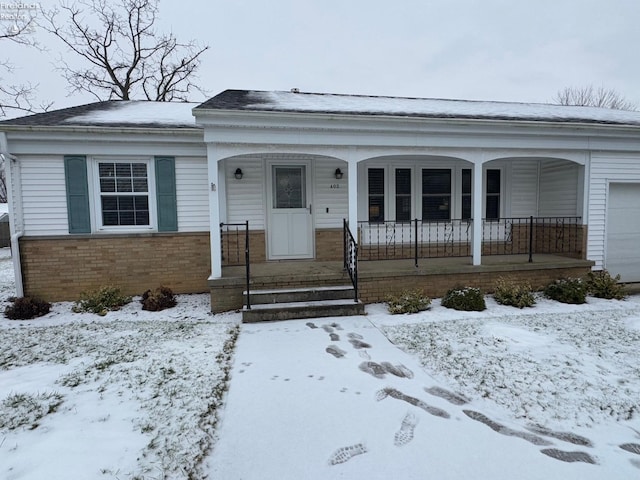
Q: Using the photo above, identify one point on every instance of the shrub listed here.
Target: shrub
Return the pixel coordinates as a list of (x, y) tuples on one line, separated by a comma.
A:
[(602, 285), (409, 301), (567, 290), (101, 301), (468, 299), (516, 295), (24, 308), (158, 299)]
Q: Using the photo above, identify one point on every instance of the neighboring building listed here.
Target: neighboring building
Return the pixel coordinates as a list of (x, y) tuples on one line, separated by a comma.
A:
[(126, 192)]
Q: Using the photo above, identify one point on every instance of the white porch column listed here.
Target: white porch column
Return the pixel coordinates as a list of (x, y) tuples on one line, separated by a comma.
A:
[(477, 212), (215, 178), (353, 196)]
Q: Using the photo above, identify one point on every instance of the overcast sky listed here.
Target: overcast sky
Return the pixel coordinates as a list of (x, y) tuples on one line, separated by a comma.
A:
[(507, 50)]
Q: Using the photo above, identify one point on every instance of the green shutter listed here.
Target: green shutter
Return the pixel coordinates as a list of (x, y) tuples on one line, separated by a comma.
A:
[(75, 172), (166, 194)]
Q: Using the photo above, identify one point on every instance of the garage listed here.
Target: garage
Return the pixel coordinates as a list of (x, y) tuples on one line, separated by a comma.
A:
[(623, 231)]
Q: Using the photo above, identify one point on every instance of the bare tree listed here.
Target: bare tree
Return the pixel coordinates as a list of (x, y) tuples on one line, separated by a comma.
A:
[(17, 97), (590, 97), (123, 56)]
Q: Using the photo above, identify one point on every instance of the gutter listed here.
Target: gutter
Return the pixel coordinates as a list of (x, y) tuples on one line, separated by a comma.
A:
[(15, 213)]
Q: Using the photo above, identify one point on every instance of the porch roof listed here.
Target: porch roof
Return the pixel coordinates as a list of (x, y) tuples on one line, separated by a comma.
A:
[(324, 103)]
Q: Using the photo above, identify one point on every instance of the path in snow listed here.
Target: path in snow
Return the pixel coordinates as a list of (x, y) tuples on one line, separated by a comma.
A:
[(406, 432)]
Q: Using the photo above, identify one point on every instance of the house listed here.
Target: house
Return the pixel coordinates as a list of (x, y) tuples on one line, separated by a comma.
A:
[(141, 194)]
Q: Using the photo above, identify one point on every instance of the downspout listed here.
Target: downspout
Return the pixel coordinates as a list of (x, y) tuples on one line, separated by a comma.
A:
[(14, 199)]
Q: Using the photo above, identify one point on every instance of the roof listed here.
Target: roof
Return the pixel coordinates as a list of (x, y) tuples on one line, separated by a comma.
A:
[(115, 113), (299, 102)]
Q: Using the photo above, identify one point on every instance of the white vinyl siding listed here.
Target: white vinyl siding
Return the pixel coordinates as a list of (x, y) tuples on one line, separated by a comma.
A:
[(44, 196), (558, 188), (246, 197), (606, 168), (192, 194), (331, 202), (524, 188)]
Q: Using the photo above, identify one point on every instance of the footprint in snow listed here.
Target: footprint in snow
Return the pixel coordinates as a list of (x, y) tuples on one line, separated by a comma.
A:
[(397, 370), (336, 326), (569, 456), (393, 393), (327, 328), (334, 337), (564, 436), (405, 434), (345, 454), (631, 447), (311, 325), (503, 430), (373, 368), (450, 397), (358, 344), (335, 351)]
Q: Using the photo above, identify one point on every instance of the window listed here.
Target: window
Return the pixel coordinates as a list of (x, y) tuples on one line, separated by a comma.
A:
[(124, 193), (376, 194), (403, 194), (492, 206), (436, 194), (466, 193)]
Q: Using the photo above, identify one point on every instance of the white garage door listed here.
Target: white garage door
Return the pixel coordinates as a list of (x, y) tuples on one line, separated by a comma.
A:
[(623, 231)]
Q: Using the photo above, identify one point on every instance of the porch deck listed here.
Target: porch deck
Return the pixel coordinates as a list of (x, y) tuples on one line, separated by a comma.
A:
[(377, 279)]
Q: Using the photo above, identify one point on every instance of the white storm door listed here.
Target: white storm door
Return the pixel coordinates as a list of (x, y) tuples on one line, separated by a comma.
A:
[(290, 220)]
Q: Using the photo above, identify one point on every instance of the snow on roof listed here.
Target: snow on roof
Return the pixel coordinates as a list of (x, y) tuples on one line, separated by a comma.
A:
[(413, 107), (115, 113), (140, 113)]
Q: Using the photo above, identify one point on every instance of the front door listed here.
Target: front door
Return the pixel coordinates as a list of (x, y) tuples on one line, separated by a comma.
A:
[(289, 206)]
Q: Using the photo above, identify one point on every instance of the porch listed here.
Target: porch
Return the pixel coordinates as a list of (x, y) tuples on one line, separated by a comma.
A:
[(377, 279)]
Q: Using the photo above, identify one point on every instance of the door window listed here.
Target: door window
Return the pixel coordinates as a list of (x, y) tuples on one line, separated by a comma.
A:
[(289, 187)]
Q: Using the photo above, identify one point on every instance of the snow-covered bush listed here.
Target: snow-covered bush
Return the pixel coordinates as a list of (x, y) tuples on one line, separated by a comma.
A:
[(101, 301), (469, 299), (24, 308), (567, 290), (158, 299), (602, 285), (514, 294), (409, 301)]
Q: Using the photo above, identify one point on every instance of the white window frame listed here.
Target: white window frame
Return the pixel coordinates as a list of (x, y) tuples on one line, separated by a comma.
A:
[(96, 207)]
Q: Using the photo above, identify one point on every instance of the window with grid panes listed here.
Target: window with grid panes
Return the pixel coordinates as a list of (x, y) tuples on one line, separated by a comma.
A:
[(124, 193)]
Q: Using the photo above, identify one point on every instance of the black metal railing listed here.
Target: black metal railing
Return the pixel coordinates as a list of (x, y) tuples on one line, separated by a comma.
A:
[(529, 235), (234, 246), (414, 239), (350, 249), (417, 239)]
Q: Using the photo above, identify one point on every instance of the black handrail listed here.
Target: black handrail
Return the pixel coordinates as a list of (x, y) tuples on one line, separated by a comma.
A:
[(350, 250), (231, 255)]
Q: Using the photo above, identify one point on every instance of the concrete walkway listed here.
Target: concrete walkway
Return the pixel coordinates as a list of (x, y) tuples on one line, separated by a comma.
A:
[(333, 398)]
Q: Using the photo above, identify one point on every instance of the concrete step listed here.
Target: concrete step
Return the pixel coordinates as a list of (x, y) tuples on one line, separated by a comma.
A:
[(337, 292), (301, 309)]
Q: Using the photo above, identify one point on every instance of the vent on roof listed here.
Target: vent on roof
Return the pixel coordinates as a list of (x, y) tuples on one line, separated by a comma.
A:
[(295, 90)]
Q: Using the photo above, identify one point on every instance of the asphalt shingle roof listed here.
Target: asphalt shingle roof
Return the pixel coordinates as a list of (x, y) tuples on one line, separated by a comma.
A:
[(302, 102)]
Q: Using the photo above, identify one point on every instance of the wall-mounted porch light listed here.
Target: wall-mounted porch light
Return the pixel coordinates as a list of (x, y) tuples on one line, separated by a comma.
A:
[(338, 173), (238, 173)]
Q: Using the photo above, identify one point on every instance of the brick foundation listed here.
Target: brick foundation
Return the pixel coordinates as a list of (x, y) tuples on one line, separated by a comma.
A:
[(376, 288), (60, 268), (329, 244)]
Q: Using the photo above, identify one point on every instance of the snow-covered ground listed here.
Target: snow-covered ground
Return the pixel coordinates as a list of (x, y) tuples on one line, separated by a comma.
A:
[(547, 392)]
